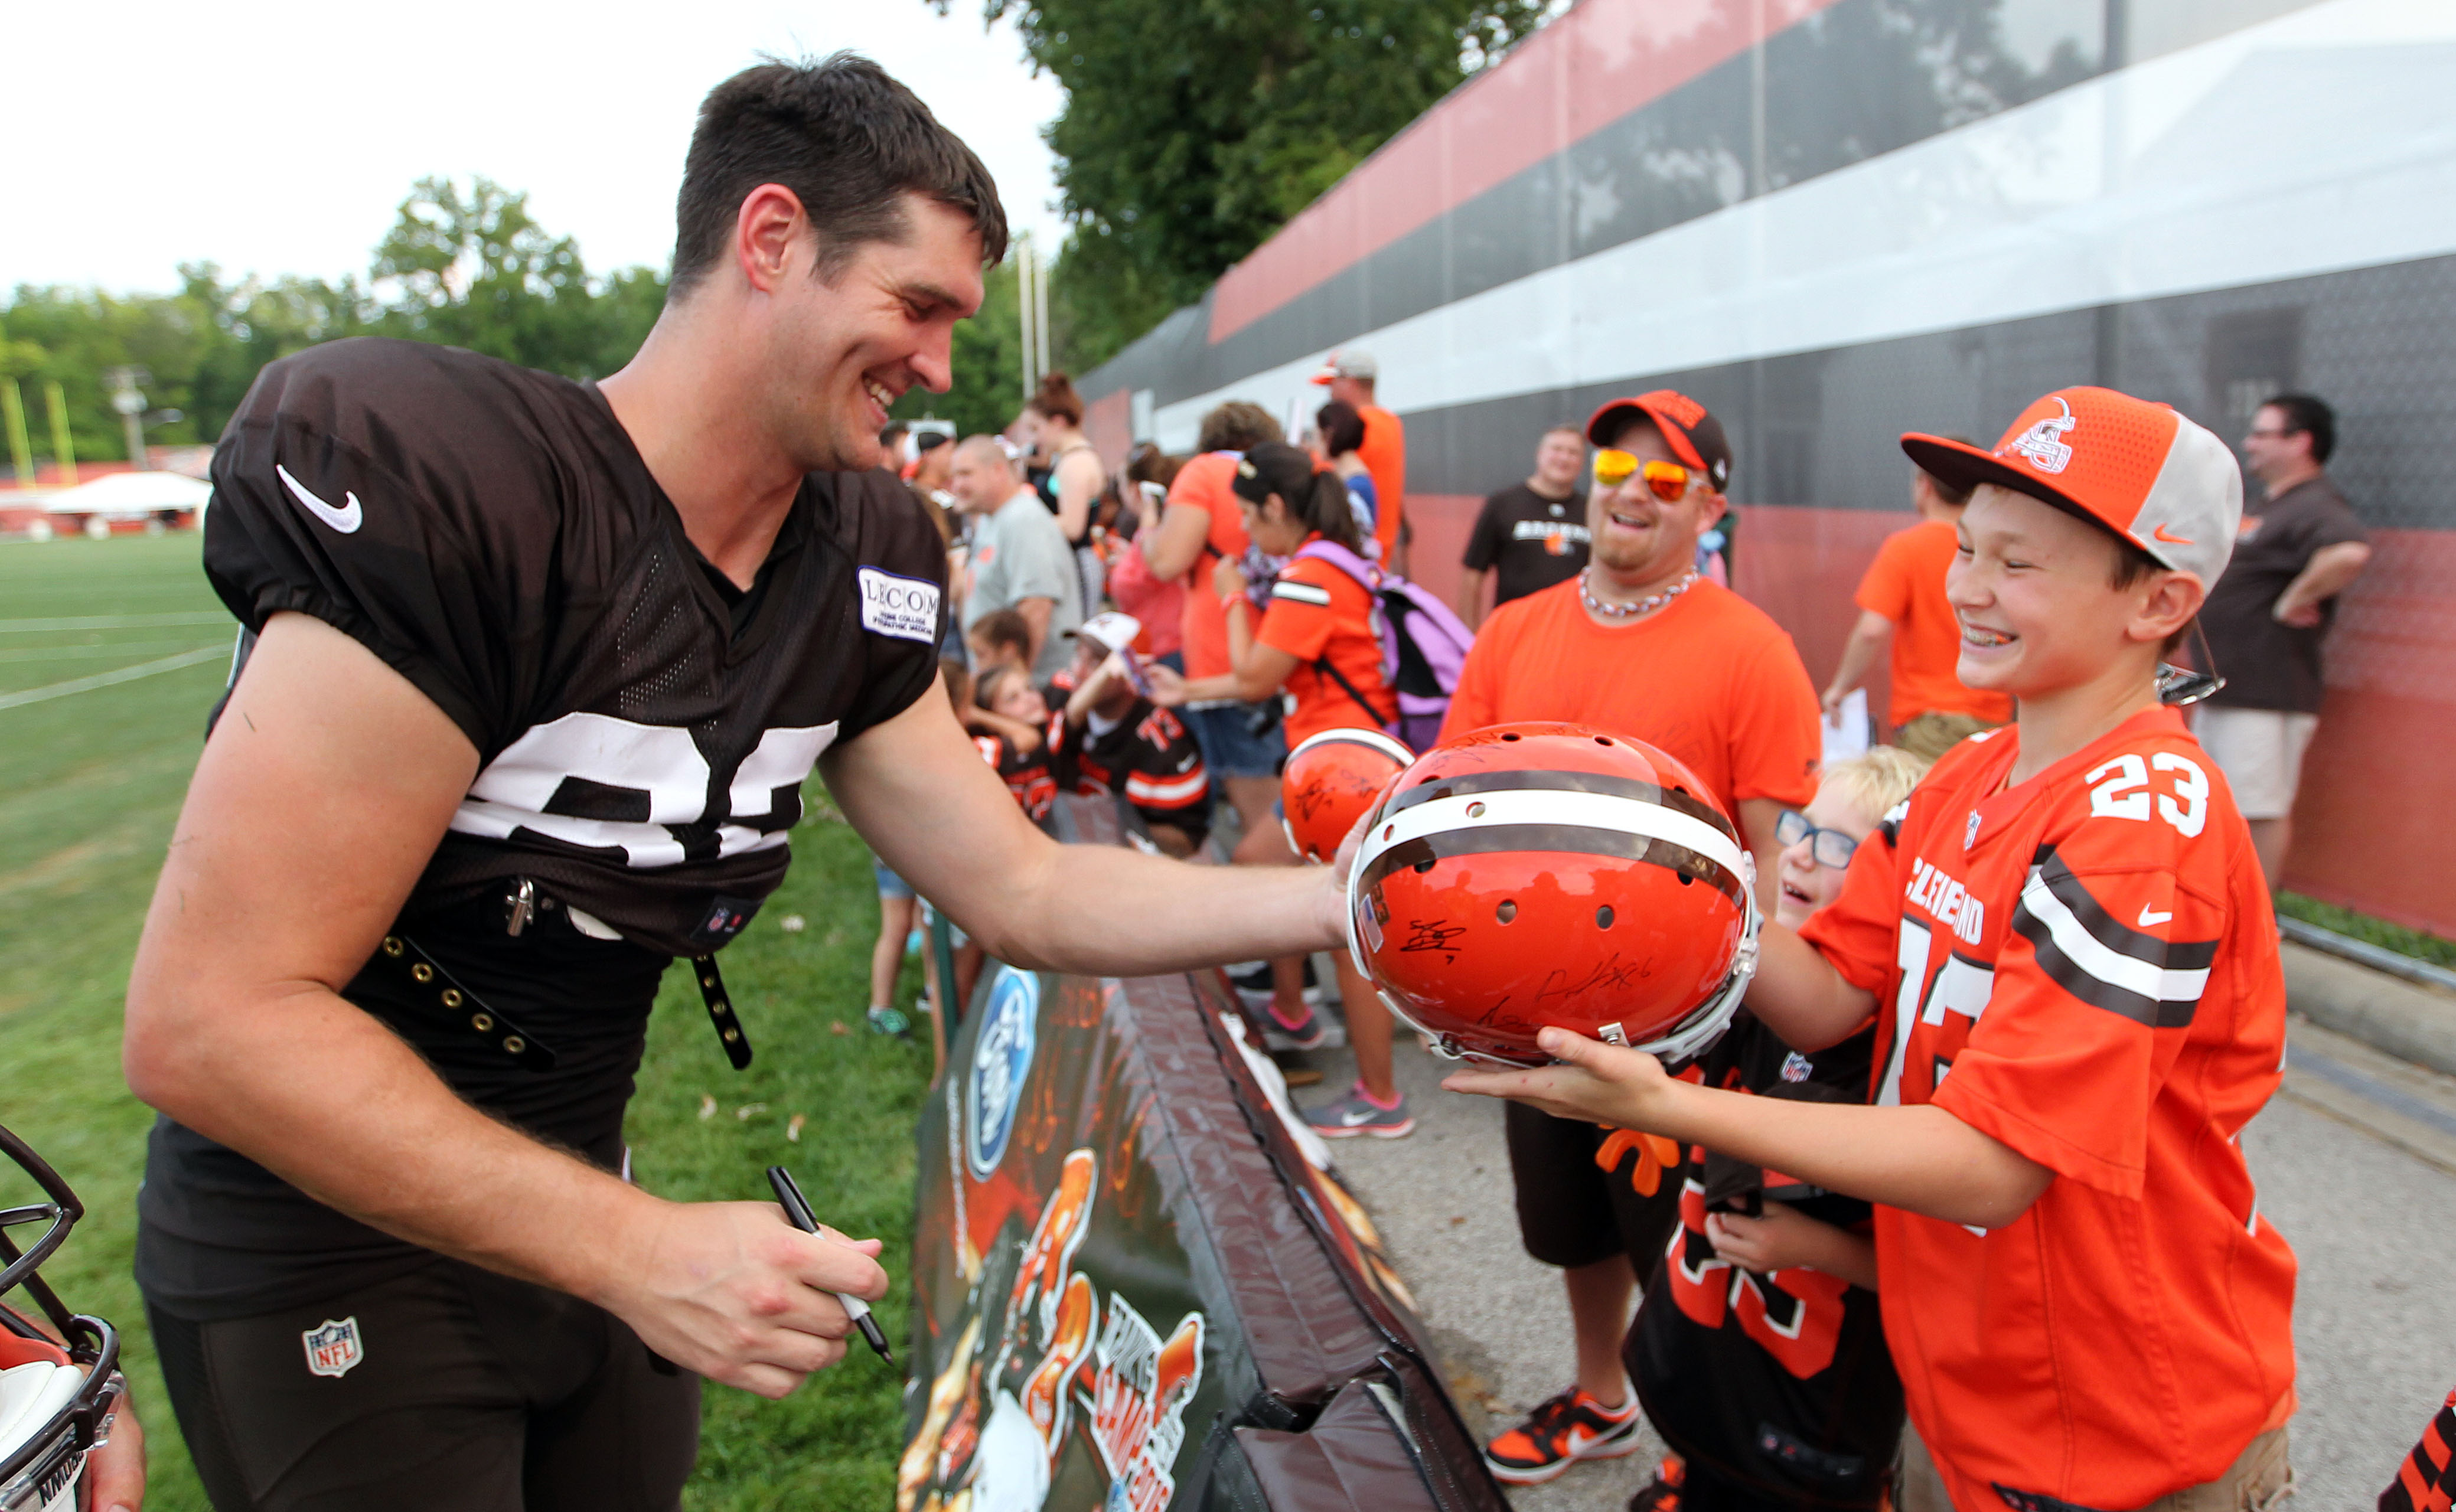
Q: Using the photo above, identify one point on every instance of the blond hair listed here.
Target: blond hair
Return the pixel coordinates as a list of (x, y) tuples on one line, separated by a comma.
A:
[(1877, 781)]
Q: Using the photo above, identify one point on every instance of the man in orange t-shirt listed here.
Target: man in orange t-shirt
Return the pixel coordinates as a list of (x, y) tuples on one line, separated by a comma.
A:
[(2065, 940), (1638, 644), (1901, 601), (1351, 376)]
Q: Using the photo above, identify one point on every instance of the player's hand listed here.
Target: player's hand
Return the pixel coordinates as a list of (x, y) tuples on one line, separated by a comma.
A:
[(1168, 686), (1588, 1080), (1782, 1238), (2300, 616), (733, 1292), (115, 1472), (1228, 580), (1830, 700)]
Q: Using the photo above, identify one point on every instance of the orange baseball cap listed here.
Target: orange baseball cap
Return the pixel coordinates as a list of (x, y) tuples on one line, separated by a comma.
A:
[(1694, 436), (2143, 471)]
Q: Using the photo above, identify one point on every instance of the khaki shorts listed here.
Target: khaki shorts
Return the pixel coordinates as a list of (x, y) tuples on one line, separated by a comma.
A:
[(2261, 752), (1929, 736), (2256, 1482)]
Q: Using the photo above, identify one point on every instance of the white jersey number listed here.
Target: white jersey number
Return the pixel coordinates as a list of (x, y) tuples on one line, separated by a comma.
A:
[(2127, 792), (608, 783)]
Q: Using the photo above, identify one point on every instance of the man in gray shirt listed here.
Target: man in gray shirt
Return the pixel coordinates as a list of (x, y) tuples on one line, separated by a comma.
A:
[(1019, 558)]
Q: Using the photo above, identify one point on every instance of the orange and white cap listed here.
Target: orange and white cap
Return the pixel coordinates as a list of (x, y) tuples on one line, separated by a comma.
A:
[(2142, 470)]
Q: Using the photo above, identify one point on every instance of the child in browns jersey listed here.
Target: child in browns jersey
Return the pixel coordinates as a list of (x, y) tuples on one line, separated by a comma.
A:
[(1759, 1350), (2071, 960)]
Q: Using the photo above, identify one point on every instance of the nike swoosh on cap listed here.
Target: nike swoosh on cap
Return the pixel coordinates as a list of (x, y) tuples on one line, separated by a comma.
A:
[(2173, 541), (346, 520)]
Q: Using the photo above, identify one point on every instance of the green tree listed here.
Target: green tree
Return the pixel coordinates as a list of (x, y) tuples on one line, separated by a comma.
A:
[(471, 266), (465, 265), (1194, 129)]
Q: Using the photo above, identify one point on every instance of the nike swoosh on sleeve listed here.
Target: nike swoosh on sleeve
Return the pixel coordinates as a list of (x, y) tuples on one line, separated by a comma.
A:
[(346, 520)]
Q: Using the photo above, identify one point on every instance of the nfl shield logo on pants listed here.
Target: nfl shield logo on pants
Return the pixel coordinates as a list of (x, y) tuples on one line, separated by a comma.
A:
[(332, 1348)]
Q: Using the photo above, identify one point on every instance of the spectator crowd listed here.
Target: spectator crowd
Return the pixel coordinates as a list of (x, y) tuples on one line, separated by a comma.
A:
[(1163, 631)]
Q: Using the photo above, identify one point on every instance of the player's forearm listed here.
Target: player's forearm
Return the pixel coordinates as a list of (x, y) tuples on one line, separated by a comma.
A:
[(323, 1095), (1799, 995), (1921, 1159), (1066, 913)]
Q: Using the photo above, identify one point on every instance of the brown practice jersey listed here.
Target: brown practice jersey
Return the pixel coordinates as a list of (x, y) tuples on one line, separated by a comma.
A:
[(1779, 1381), (642, 725), (2082, 966)]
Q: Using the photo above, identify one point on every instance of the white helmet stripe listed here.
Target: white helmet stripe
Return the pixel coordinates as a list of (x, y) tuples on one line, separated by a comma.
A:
[(1552, 807)]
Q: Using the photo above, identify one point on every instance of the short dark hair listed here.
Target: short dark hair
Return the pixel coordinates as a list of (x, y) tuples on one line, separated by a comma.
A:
[(2131, 566), (2309, 415), (1238, 426), (848, 139), (1343, 429), (1004, 627)]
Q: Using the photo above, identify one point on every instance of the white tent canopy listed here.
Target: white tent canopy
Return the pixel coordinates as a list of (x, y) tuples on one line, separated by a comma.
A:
[(127, 496)]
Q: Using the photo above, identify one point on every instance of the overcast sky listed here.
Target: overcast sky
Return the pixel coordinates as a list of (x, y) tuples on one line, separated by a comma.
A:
[(273, 136)]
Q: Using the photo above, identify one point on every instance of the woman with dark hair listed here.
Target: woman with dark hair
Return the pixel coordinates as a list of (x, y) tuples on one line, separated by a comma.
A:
[(1342, 441), (1320, 643), (1076, 475)]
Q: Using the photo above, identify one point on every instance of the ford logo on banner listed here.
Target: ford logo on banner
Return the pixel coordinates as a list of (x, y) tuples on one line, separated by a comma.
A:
[(1001, 1060)]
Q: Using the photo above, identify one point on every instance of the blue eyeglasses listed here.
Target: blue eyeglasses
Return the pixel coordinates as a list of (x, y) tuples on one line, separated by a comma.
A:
[(1832, 849)]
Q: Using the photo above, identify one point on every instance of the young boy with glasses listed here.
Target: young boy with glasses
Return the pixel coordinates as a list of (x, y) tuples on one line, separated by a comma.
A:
[(2072, 964), (1759, 1353)]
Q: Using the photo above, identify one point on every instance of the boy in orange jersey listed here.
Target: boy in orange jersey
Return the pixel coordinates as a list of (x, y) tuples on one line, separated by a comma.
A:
[(2066, 944)]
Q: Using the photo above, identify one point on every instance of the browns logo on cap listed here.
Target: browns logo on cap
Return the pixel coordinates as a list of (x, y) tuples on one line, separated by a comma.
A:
[(1694, 436), (2141, 470)]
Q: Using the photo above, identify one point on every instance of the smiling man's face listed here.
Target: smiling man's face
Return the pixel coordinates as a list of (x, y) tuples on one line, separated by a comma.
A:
[(1638, 535), (843, 349)]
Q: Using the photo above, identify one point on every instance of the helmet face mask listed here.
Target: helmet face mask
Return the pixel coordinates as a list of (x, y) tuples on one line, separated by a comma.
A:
[(57, 1394), (1537, 876)]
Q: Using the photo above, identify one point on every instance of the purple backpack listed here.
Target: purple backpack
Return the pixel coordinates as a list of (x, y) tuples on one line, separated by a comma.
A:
[(1423, 645)]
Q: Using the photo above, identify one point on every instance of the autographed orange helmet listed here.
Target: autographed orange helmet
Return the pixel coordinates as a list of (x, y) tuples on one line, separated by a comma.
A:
[(1329, 782), (1527, 875)]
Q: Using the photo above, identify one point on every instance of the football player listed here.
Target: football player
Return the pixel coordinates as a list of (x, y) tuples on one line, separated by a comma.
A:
[(532, 674), (2070, 955)]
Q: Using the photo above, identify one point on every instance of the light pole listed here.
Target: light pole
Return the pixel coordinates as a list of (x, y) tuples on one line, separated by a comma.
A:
[(130, 405)]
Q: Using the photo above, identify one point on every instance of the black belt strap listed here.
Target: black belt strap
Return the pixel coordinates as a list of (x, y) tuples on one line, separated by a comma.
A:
[(720, 1011), (433, 987)]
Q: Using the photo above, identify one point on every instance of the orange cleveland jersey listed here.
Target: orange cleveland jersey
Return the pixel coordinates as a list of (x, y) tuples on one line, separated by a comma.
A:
[(2083, 967)]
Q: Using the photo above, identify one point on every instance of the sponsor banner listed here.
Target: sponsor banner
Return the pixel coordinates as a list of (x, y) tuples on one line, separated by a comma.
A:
[(1135, 1288)]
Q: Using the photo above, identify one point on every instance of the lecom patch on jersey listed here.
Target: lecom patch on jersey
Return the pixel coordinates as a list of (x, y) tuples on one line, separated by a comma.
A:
[(904, 607)]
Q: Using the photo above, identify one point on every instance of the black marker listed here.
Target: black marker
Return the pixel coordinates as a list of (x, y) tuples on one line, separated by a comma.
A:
[(797, 1211)]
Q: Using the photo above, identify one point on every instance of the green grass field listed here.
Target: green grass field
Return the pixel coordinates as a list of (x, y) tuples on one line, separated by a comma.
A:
[(93, 784)]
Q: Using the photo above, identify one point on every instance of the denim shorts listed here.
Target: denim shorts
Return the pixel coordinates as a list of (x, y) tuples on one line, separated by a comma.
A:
[(889, 885), (1230, 748)]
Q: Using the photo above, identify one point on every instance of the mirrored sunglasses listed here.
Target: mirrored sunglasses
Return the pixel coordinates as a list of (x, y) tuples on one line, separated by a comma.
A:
[(1832, 849), (1667, 481)]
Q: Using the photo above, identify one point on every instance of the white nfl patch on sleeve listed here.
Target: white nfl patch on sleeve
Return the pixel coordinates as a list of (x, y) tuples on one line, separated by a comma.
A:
[(904, 607)]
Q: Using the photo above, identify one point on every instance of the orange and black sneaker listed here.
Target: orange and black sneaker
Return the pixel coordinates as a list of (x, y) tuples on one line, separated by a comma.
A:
[(1662, 1494), (1560, 1432)]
